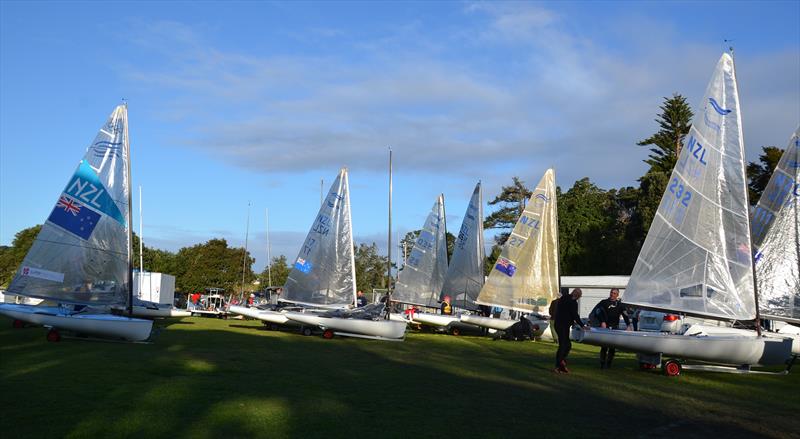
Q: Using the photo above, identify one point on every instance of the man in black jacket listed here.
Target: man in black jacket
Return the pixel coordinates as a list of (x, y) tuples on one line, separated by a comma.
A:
[(608, 312), (566, 315)]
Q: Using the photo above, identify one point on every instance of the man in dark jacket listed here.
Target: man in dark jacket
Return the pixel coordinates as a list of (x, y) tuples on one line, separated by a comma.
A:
[(566, 315), (608, 312)]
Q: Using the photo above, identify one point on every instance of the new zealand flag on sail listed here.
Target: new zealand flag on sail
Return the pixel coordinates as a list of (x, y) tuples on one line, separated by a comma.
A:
[(506, 267), (74, 217), (303, 265)]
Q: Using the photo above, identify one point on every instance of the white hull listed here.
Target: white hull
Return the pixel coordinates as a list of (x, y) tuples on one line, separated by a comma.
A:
[(398, 318), (435, 319), (144, 311), (722, 349), (103, 325), (276, 317), (304, 318), (374, 328), (487, 322), (714, 330)]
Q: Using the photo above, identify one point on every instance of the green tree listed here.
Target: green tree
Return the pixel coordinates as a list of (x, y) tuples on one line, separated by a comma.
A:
[(11, 257), (212, 264), (759, 173), (279, 271), (371, 267), (665, 145), (587, 230), (155, 260), (511, 201)]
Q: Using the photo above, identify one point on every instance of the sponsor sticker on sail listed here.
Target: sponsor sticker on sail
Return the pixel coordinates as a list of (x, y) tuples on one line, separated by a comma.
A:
[(42, 274)]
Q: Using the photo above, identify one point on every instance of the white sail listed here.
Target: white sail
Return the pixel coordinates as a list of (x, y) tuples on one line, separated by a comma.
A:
[(81, 255), (464, 278), (776, 238), (421, 279), (696, 258), (324, 271), (525, 276)]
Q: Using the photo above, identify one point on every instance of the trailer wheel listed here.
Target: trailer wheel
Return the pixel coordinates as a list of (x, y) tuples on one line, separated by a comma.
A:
[(672, 368), (455, 331), (274, 326), (53, 336), (307, 331), (18, 324), (328, 334)]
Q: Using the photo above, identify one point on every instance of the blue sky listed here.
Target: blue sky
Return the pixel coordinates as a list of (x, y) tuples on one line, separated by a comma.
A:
[(231, 102)]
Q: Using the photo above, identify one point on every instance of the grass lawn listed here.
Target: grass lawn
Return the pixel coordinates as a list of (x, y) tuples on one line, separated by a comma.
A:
[(216, 378)]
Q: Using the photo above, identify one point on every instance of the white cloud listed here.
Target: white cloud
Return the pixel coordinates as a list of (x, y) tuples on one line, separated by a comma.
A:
[(560, 98)]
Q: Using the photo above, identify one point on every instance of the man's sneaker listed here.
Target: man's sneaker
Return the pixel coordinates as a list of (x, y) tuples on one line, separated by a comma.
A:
[(563, 366)]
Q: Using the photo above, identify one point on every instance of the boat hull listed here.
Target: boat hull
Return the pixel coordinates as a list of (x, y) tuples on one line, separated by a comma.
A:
[(398, 318), (276, 317), (722, 349), (488, 322), (373, 328), (103, 325), (714, 330), (153, 313), (435, 319)]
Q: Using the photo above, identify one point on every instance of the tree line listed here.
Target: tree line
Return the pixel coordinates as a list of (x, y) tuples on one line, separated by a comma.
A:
[(600, 230)]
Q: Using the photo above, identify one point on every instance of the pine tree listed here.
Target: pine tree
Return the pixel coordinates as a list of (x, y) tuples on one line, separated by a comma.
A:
[(674, 122), (758, 174), (512, 201)]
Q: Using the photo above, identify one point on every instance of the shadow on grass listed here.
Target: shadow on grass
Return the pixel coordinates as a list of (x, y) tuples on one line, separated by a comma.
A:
[(215, 378)]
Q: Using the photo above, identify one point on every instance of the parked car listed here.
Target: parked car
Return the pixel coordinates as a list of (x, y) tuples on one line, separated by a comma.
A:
[(655, 321)]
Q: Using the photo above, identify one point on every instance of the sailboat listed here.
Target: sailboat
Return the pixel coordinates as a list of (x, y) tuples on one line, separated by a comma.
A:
[(81, 259), (776, 241), (464, 277), (697, 259), (324, 276), (422, 277), (525, 277)]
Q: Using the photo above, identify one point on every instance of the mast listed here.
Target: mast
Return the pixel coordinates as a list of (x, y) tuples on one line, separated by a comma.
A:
[(244, 253), (321, 188), (747, 203), (269, 254), (558, 246), (130, 203), (389, 250), (350, 232), (141, 245)]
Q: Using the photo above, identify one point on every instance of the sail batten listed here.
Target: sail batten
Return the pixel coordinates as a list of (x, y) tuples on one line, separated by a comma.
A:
[(696, 258), (422, 276), (323, 273), (776, 238), (465, 277), (526, 275), (81, 255)]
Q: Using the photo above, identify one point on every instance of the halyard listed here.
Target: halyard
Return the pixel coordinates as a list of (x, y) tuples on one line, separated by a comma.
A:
[(234, 378)]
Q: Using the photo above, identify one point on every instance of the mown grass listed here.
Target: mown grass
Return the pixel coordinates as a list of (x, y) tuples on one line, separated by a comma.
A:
[(213, 378)]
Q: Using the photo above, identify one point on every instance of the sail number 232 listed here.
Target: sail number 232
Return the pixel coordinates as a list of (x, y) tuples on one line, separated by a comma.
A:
[(680, 192)]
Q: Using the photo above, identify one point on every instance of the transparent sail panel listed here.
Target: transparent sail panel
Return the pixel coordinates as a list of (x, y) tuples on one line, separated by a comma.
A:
[(776, 238), (81, 254), (696, 257), (324, 271), (525, 276), (464, 278), (422, 277)]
